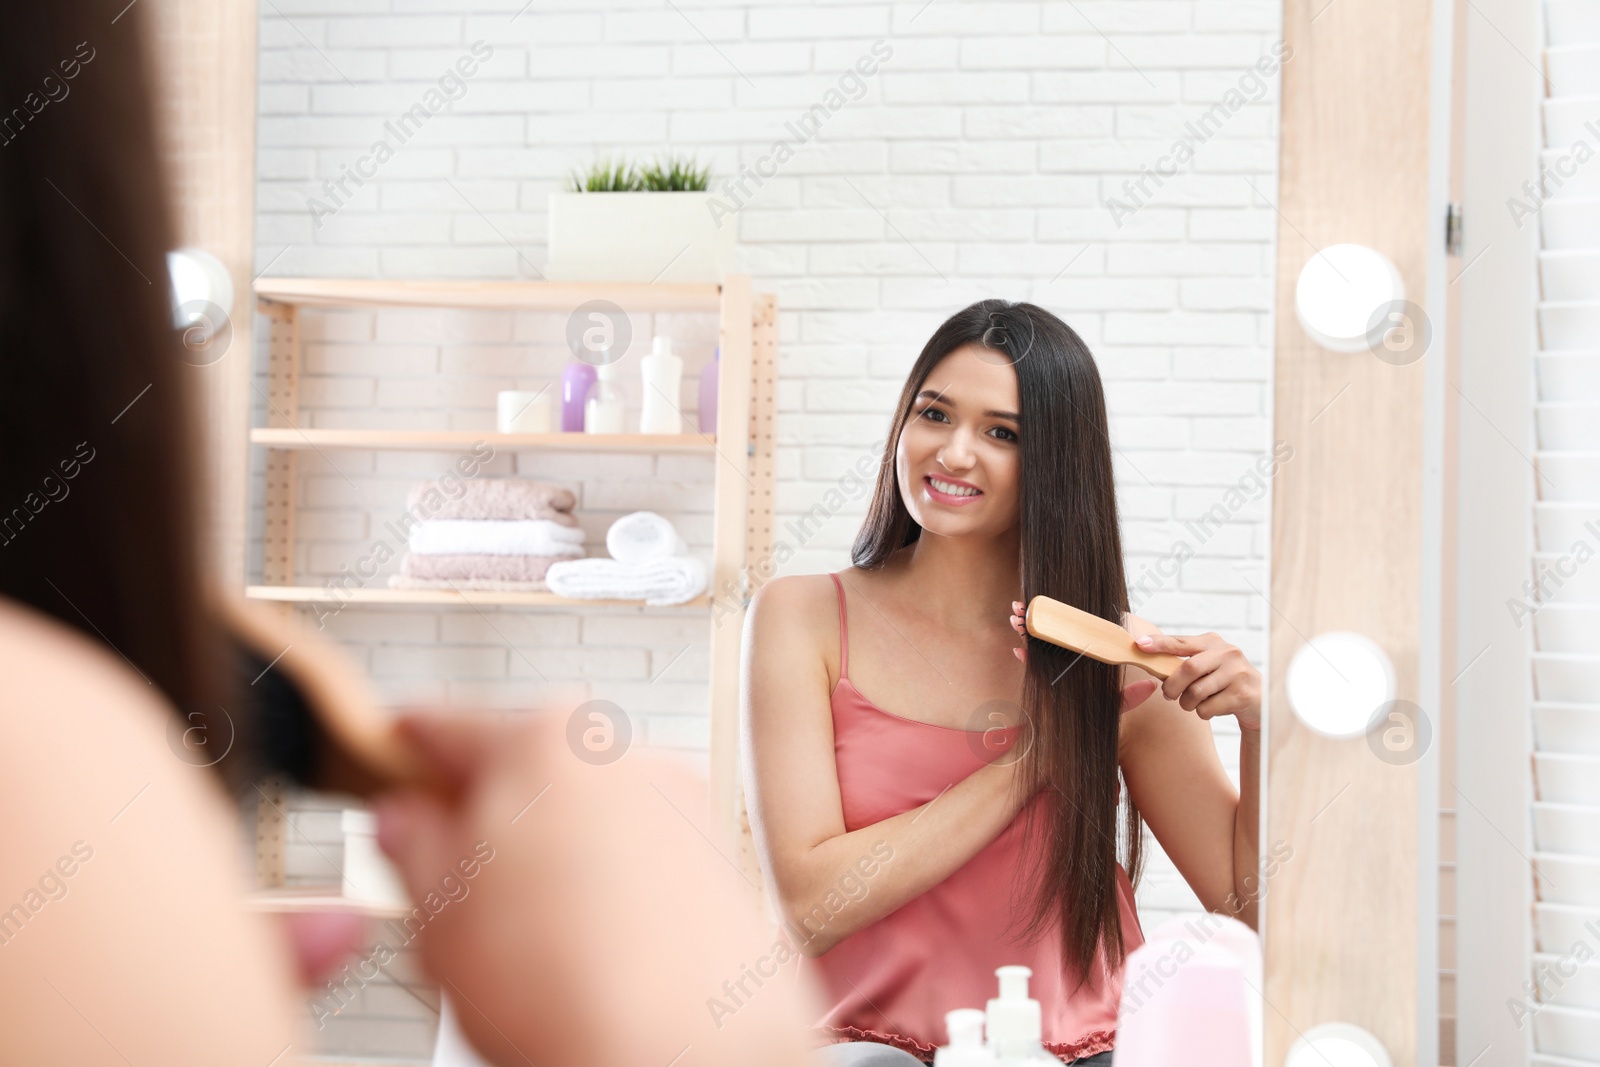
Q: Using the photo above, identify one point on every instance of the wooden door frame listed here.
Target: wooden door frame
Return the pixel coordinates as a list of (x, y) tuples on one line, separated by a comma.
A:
[(1499, 297), (1359, 524)]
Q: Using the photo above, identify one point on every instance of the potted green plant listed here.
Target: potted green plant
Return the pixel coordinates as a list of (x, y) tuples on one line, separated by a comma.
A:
[(621, 222)]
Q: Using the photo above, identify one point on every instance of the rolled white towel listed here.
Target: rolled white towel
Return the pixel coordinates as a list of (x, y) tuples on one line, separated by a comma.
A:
[(643, 536), (658, 582), (495, 537)]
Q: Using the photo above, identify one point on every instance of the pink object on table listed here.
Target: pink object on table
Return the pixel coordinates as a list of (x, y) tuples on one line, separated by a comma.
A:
[(1190, 996)]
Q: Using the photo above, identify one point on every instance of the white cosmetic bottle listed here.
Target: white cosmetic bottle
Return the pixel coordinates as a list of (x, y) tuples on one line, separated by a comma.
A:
[(606, 408), (1013, 1021), (966, 1049), (663, 383)]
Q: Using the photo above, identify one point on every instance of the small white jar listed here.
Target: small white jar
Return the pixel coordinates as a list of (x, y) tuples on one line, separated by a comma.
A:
[(368, 875), (521, 411)]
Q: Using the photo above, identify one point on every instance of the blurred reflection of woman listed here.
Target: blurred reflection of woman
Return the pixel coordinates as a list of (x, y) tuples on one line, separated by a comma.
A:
[(123, 937), (931, 802)]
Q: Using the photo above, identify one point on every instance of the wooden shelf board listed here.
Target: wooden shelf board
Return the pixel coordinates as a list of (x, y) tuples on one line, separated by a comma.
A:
[(317, 898), (486, 295), (454, 440), (466, 598)]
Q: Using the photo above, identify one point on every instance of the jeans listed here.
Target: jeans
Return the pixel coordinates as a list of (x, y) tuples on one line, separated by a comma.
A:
[(863, 1054), (872, 1054)]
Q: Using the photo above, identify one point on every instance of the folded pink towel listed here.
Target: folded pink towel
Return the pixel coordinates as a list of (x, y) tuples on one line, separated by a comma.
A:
[(492, 568), (400, 581), (493, 498)]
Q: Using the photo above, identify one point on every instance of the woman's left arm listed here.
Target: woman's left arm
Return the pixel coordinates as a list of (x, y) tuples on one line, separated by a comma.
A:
[(1169, 759)]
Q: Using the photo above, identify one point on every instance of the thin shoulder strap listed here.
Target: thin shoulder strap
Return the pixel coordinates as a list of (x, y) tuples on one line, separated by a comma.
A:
[(844, 631)]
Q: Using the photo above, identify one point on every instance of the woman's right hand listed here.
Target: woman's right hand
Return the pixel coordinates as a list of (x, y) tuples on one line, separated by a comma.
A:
[(598, 921), (1133, 694)]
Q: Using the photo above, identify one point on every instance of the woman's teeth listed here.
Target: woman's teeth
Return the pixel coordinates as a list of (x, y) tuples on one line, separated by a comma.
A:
[(953, 490)]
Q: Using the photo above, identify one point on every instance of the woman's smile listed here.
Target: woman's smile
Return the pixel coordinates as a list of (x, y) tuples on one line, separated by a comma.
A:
[(950, 492)]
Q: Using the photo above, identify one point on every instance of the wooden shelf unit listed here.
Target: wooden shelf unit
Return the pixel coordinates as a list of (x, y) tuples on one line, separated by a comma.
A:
[(744, 444), (493, 296), (743, 490), (300, 438), (318, 898), (316, 594)]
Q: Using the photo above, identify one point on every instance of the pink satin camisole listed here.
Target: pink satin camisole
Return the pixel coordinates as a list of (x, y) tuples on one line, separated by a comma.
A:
[(893, 981)]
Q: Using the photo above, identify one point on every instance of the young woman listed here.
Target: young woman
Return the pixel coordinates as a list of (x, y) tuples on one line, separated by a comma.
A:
[(931, 801)]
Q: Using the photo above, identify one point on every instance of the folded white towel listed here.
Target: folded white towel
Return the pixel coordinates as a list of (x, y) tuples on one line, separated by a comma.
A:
[(658, 582), (495, 537), (643, 536)]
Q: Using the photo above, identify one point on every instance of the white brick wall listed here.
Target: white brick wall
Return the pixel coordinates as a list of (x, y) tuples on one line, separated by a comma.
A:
[(978, 163)]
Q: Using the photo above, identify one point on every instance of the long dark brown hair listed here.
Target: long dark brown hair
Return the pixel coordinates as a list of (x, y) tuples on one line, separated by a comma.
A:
[(98, 509), (1071, 551)]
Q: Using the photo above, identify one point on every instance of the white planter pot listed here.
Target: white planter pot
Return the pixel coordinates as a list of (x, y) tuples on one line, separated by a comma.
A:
[(638, 237)]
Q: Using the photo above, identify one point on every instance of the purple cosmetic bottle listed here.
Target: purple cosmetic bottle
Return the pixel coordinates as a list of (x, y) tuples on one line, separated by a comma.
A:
[(708, 393), (575, 382)]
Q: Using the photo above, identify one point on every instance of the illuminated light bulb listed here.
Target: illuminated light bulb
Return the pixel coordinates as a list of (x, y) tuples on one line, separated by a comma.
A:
[(1339, 291), (1337, 1045), (1337, 681)]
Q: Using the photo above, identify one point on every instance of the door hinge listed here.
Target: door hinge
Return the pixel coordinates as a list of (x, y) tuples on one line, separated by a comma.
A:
[(1452, 229)]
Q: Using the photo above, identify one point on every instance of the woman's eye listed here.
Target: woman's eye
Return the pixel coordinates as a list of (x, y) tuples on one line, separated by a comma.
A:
[(1009, 435), (928, 413)]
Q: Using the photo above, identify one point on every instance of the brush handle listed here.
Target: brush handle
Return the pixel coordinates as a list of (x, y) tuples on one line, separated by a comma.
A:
[(1099, 639), (366, 750)]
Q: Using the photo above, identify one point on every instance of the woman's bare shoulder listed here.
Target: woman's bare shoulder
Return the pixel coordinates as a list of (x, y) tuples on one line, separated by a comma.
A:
[(83, 727), (805, 598), (100, 804), (46, 662), (794, 621)]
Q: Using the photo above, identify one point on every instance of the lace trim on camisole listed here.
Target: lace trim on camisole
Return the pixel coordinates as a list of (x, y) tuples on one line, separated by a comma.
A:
[(1091, 1044)]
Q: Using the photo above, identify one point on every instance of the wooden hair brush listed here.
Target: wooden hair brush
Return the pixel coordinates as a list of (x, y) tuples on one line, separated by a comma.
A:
[(361, 751), (1100, 639)]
